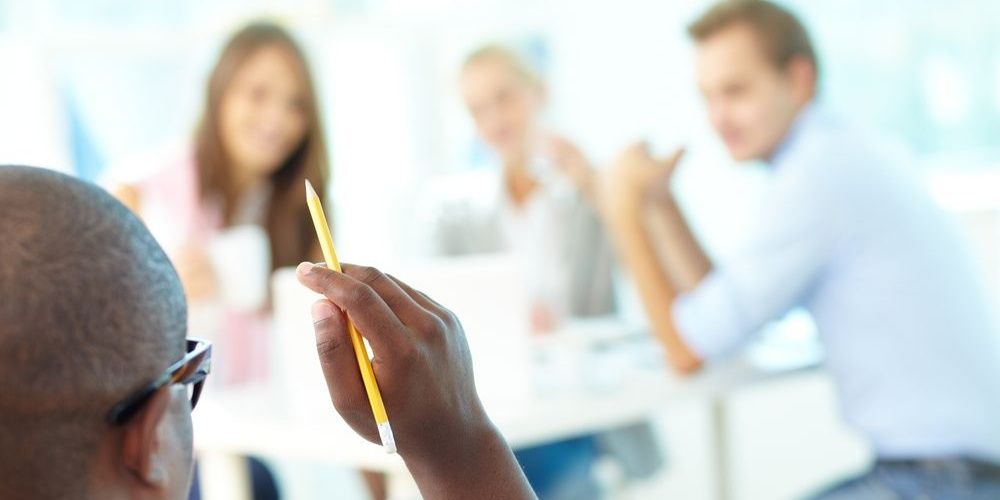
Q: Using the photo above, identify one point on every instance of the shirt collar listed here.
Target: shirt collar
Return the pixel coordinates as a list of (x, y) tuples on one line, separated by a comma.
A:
[(802, 122)]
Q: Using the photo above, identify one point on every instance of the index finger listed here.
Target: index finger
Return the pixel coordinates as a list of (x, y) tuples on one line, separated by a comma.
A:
[(408, 310), (373, 317)]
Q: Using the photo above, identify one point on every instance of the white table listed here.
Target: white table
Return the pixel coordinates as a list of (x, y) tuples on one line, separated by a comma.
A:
[(253, 421), (292, 418)]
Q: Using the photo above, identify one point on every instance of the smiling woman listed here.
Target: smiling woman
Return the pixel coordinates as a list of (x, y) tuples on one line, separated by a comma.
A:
[(261, 123), (259, 137), (229, 207)]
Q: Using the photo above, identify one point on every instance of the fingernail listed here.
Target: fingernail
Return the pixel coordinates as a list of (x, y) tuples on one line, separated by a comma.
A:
[(304, 268), (322, 310)]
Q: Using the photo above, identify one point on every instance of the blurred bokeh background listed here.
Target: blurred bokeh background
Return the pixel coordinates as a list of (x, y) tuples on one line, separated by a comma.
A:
[(88, 87), (90, 84)]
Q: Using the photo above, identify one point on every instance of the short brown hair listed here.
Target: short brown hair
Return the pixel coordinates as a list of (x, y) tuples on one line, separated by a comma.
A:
[(781, 34)]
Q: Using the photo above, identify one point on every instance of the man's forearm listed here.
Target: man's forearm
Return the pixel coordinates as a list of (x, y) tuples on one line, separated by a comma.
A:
[(638, 256), (686, 262), (482, 467)]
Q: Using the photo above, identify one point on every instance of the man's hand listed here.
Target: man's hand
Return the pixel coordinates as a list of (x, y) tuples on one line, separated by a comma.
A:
[(424, 372), (636, 180), (636, 177), (571, 162)]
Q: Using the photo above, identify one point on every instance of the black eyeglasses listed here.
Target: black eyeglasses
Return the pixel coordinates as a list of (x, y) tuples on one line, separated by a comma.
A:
[(191, 371)]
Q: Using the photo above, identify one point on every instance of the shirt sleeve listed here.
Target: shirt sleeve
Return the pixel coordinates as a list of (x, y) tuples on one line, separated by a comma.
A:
[(776, 272)]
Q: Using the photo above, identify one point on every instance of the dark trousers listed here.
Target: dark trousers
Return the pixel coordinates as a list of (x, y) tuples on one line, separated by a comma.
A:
[(937, 479)]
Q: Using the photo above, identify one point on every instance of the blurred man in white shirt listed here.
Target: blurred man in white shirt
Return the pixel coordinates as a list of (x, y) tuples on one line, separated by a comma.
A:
[(848, 235)]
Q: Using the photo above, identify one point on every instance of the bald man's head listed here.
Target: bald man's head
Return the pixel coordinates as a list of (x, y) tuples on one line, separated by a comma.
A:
[(90, 310)]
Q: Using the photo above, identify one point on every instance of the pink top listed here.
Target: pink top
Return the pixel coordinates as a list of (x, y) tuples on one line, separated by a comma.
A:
[(172, 207), (177, 217)]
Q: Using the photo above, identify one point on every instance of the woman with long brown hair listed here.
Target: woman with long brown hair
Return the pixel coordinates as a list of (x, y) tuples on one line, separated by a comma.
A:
[(259, 138), (229, 207)]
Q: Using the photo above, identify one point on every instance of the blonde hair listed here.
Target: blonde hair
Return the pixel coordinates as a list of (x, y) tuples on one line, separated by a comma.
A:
[(501, 54)]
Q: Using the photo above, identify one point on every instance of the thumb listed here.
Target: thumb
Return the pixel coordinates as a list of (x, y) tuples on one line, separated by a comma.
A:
[(666, 166), (674, 158), (638, 147), (336, 357)]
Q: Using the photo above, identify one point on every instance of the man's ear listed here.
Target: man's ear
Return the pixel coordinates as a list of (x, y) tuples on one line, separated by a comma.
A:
[(143, 450), (802, 76)]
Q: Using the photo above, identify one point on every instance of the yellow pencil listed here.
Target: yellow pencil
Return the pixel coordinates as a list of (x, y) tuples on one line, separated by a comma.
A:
[(367, 375)]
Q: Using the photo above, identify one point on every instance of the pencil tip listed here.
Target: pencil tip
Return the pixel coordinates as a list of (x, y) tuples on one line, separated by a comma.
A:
[(309, 188)]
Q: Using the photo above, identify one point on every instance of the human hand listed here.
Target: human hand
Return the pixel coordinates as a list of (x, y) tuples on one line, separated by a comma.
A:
[(421, 358), (637, 177), (424, 371), (571, 162), (543, 318)]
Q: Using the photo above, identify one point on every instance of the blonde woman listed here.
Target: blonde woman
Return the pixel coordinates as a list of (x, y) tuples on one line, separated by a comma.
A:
[(548, 219)]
